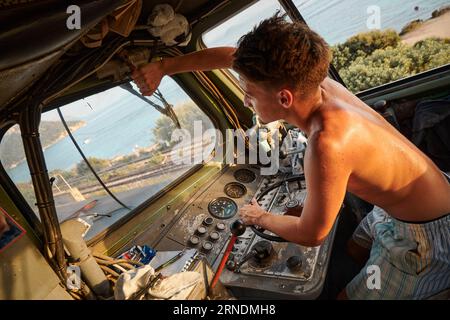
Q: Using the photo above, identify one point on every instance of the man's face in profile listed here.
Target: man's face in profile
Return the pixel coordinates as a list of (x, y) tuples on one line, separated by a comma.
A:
[(260, 99)]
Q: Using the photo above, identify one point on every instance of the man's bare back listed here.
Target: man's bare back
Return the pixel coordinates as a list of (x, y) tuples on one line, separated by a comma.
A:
[(386, 169)]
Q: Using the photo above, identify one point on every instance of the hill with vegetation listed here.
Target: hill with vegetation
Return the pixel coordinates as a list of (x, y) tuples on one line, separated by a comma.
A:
[(11, 147)]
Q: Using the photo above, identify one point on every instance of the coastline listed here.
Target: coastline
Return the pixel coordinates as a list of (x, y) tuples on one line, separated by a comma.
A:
[(64, 134), (435, 27)]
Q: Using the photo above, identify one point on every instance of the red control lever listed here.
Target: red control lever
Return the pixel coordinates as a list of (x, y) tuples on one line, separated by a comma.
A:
[(237, 229)]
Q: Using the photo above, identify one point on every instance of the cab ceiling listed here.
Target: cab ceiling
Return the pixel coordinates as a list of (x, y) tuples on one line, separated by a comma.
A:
[(34, 36)]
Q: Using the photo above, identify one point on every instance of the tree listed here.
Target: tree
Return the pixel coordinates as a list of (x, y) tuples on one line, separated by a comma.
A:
[(187, 113), (98, 165), (362, 45), (375, 58)]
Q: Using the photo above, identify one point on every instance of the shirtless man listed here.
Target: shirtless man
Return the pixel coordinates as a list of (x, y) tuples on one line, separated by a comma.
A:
[(283, 72)]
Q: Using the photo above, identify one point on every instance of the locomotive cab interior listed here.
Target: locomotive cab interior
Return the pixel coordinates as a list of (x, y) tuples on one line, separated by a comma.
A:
[(92, 176)]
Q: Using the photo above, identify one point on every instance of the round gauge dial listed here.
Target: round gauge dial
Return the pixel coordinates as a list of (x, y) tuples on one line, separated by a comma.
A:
[(235, 190), (244, 175), (222, 208)]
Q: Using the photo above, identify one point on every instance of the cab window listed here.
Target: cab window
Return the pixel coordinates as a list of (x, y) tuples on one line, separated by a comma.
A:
[(126, 140)]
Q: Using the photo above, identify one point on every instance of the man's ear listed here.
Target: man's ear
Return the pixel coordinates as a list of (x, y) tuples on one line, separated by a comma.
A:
[(285, 98)]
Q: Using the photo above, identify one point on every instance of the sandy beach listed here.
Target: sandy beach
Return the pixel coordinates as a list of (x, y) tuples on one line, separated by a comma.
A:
[(437, 27)]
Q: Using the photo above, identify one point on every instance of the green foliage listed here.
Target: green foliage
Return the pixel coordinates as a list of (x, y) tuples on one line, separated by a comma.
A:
[(375, 58), (157, 159), (361, 45), (98, 165)]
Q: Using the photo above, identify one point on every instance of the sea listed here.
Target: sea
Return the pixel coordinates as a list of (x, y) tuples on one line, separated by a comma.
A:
[(118, 123)]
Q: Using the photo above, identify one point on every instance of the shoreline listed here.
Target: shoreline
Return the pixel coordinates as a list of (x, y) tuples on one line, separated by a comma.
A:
[(434, 27), (64, 134)]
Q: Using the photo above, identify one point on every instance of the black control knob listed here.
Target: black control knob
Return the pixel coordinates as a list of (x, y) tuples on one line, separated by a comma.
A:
[(220, 226), (208, 221), (201, 230), (238, 227), (207, 246), (294, 263), (214, 236), (263, 249), (194, 240)]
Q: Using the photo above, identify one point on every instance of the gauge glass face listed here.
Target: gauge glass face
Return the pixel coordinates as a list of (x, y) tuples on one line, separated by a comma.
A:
[(244, 175), (235, 190), (222, 208)]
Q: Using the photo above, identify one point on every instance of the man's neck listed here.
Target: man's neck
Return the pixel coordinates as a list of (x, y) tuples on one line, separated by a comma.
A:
[(305, 110)]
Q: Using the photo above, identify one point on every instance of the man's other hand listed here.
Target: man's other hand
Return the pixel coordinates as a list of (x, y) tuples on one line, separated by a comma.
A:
[(148, 77), (252, 213)]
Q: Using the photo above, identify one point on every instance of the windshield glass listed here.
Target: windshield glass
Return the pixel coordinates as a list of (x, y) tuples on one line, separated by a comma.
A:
[(126, 140)]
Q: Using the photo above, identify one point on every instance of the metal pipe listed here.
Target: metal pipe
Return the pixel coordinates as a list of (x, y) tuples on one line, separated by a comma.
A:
[(72, 231), (29, 127)]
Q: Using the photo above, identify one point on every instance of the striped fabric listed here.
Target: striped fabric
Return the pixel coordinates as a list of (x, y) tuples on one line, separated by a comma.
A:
[(413, 259)]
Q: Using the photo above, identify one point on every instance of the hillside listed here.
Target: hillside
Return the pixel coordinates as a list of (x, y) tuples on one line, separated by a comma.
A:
[(11, 151)]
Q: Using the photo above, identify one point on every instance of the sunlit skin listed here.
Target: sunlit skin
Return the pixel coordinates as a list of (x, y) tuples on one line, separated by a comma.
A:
[(350, 148)]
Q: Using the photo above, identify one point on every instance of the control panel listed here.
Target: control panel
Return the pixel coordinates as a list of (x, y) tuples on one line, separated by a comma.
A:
[(257, 266)]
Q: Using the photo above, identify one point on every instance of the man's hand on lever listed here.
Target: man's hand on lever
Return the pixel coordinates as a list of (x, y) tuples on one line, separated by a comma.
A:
[(149, 77), (251, 213)]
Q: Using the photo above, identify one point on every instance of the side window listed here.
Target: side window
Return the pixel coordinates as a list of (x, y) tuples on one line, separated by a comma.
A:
[(12, 158), (377, 42), (127, 141)]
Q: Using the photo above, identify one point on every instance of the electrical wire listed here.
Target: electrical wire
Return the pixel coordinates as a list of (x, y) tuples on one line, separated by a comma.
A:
[(113, 268)]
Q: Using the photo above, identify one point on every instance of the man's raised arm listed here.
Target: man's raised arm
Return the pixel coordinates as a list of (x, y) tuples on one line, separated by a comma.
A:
[(149, 76)]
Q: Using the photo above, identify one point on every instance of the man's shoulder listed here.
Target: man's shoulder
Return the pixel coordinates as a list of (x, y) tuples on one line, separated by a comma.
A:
[(325, 143), (328, 154)]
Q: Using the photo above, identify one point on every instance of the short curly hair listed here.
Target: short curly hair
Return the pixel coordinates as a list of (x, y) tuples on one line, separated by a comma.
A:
[(279, 53)]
